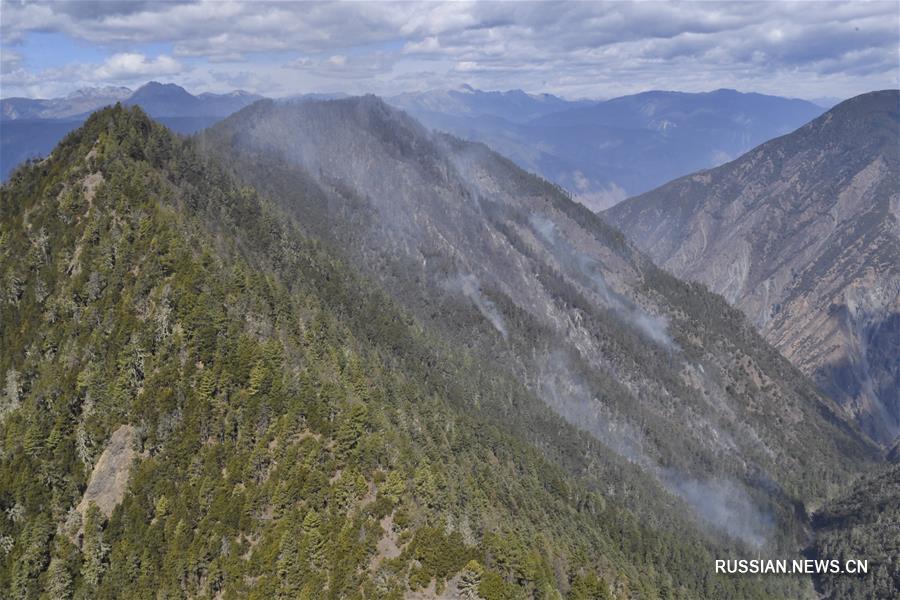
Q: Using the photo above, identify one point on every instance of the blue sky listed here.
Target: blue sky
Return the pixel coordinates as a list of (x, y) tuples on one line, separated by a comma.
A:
[(583, 49)]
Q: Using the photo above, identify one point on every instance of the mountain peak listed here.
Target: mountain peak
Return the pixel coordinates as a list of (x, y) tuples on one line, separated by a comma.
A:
[(124, 120), (157, 84), (172, 100), (868, 105), (156, 87), (366, 116)]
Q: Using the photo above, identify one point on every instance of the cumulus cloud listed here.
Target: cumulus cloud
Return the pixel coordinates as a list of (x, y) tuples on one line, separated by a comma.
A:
[(131, 65), (576, 49), (343, 67)]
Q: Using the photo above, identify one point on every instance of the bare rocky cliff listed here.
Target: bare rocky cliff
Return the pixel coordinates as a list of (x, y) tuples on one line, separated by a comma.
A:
[(803, 235)]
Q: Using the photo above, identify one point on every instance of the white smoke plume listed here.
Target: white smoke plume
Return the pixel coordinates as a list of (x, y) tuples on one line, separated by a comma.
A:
[(468, 286), (654, 327), (723, 504), (719, 502)]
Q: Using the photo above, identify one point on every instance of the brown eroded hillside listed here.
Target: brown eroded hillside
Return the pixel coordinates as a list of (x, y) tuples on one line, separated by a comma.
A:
[(803, 235)]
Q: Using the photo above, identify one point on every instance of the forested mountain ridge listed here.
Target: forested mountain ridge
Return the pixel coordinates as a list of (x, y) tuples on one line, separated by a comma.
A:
[(803, 235), (292, 432), (665, 374)]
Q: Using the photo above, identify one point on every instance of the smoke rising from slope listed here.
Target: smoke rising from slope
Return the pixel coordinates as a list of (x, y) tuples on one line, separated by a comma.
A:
[(653, 327), (570, 396), (724, 504), (468, 286), (719, 502)]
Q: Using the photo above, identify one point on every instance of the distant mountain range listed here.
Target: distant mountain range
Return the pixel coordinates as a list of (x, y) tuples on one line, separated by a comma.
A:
[(75, 104), (32, 127), (803, 235), (157, 100), (515, 105), (603, 152)]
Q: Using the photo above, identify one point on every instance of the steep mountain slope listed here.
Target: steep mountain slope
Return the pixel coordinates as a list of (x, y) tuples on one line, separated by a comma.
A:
[(803, 235), (606, 151), (251, 419), (31, 128), (663, 373)]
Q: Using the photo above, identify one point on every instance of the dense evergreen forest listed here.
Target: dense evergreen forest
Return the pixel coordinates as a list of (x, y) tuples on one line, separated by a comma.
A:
[(289, 431), (864, 524)]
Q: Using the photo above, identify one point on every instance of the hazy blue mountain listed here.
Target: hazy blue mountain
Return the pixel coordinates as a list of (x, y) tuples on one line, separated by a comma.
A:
[(165, 99), (170, 100), (30, 138), (606, 151), (827, 101), (77, 103), (513, 105), (32, 127), (229, 102), (721, 110)]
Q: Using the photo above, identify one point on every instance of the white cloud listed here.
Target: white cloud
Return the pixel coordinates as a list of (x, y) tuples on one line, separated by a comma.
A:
[(131, 65), (576, 49), (9, 61), (127, 68), (429, 45), (338, 60)]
